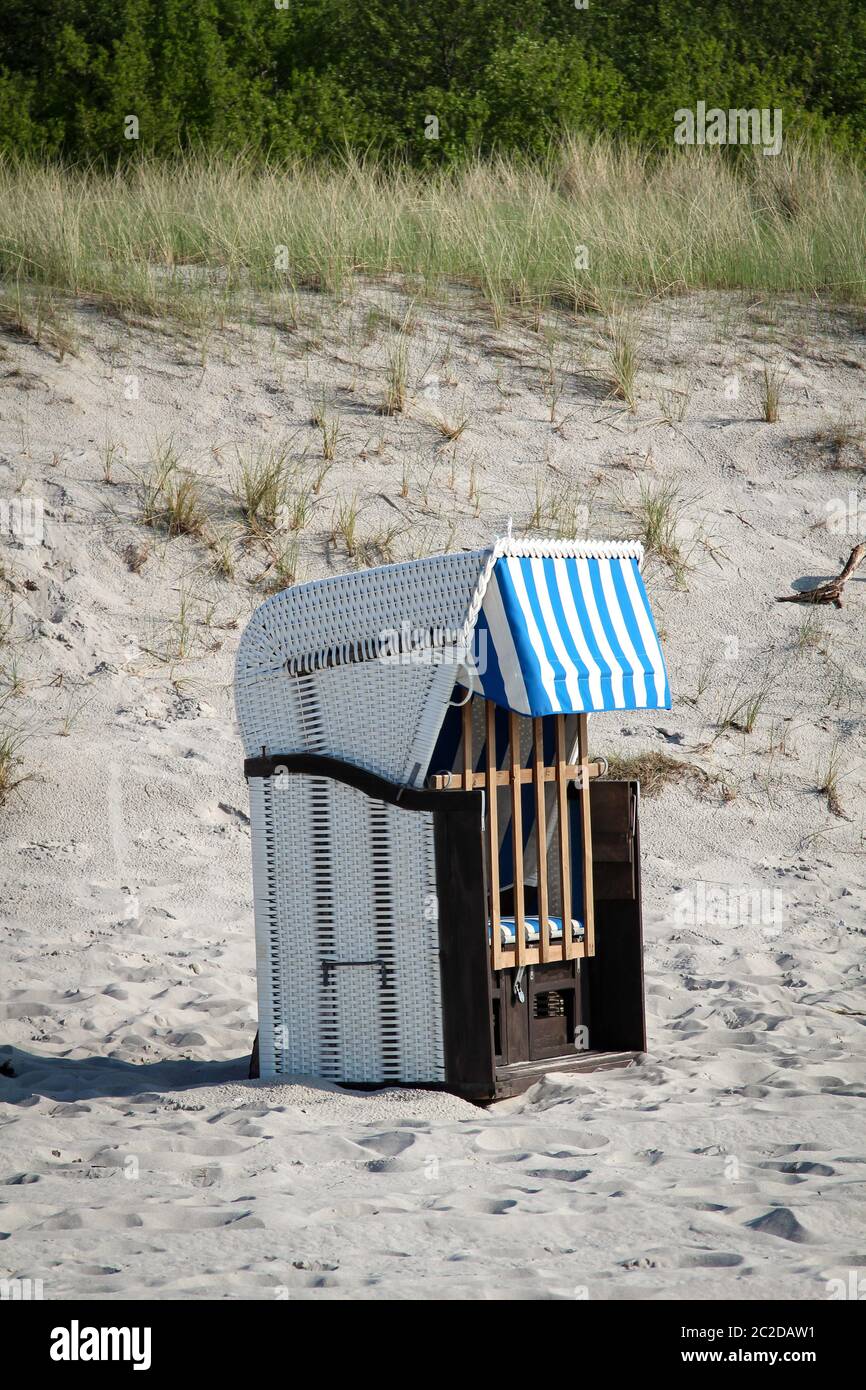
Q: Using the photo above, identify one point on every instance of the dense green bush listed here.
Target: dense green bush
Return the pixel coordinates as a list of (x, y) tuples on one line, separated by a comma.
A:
[(320, 75)]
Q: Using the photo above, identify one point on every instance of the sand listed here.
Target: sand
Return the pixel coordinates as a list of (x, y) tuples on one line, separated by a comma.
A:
[(137, 1161)]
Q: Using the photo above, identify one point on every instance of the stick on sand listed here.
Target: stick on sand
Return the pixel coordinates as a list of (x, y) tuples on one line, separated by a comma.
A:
[(831, 590)]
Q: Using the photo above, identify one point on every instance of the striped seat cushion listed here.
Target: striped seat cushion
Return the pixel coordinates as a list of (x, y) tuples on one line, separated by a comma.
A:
[(508, 931)]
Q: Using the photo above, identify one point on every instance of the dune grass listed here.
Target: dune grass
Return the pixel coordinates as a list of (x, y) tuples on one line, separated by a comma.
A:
[(656, 770), (827, 777), (262, 486), (193, 238), (12, 742), (170, 496)]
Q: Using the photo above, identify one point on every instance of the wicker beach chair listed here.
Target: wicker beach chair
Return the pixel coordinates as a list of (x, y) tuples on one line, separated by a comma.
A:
[(445, 892)]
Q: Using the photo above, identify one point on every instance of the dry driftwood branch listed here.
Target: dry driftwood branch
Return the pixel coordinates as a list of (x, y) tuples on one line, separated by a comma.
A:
[(831, 590)]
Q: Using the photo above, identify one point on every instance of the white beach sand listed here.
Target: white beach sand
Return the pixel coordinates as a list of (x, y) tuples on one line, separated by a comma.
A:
[(135, 1159)]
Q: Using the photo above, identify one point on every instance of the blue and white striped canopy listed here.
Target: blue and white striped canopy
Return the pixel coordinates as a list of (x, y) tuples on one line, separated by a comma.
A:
[(561, 634)]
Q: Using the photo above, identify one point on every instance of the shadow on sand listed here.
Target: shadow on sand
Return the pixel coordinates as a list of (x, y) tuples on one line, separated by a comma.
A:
[(88, 1078), (811, 581)]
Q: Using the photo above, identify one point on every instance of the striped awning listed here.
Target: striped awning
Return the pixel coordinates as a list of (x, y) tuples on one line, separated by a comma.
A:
[(569, 634)]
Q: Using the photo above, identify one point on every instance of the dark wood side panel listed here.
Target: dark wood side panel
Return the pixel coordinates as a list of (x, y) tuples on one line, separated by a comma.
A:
[(613, 848), (463, 950), (613, 977)]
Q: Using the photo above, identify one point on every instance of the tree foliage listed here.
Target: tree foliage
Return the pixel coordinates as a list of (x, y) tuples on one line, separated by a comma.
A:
[(319, 76)]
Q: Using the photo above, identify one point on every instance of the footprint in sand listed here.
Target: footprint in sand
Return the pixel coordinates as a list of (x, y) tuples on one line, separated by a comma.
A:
[(781, 1222), (387, 1145), (559, 1174)]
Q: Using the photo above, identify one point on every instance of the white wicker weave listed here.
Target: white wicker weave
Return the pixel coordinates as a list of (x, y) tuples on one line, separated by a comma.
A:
[(303, 683), (339, 712), (340, 877)]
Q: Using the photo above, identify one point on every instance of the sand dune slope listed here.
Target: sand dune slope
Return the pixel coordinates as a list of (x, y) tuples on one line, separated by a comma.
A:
[(136, 1160)]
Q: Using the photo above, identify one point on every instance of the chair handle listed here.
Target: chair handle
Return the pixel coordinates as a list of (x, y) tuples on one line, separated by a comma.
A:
[(328, 966)]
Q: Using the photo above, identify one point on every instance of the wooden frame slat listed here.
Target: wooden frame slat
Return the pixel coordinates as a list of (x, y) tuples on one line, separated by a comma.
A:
[(468, 762), (571, 772), (541, 840), (533, 955), (586, 837), (517, 837), (493, 835), (515, 778), (562, 836)]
